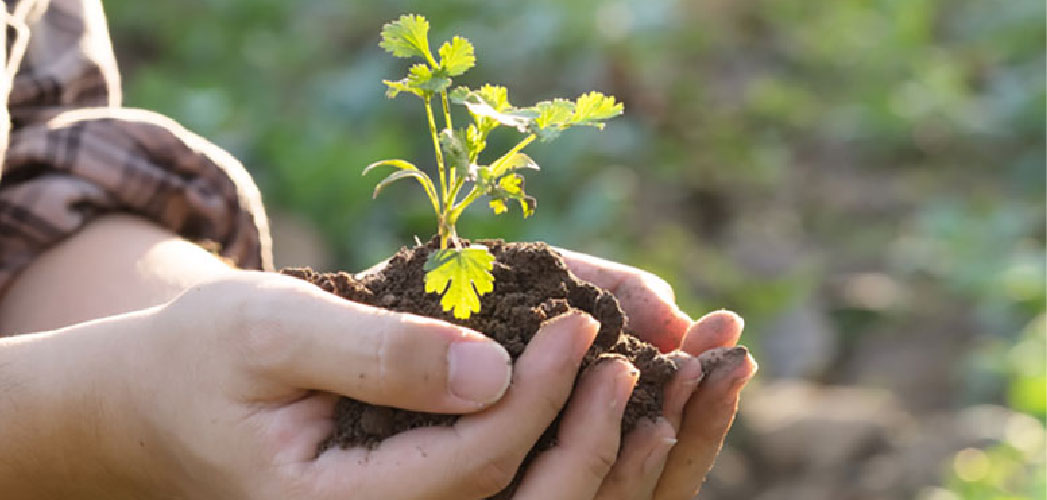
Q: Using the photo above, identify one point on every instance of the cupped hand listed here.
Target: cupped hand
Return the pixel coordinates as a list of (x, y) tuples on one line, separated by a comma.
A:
[(697, 415), (237, 385)]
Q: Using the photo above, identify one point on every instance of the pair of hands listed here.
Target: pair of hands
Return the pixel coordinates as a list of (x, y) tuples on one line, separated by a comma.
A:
[(275, 395), (233, 386)]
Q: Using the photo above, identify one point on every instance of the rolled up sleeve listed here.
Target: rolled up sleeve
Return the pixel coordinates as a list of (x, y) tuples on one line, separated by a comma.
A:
[(74, 153)]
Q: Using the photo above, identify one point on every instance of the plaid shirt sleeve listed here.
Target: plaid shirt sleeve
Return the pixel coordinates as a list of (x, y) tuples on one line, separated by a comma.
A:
[(73, 153)]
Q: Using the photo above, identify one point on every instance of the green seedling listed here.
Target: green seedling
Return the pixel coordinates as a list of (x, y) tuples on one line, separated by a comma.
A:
[(462, 274)]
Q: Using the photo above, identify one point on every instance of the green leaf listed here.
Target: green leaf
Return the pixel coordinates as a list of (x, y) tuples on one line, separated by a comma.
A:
[(424, 78), (511, 187), (421, 81), (459, 94), (462, 276), (498, 205), (406, 169), (510, 163), (407, 37), (555, 113), (552, 118), (495, 96), (476, 141), (455, 149), (402, 174), (498, 109), (400, 164), (397, 86), (507, 188), (457, 56), (594, 107)]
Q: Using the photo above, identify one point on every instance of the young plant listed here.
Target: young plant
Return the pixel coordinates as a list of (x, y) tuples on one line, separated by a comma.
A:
[(462, 274)]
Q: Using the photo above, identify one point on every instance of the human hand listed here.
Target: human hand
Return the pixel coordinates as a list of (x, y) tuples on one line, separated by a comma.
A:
[(697, 415), (227, 391)]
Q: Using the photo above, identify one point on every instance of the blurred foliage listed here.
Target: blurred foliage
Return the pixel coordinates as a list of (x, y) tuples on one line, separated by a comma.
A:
[(879, 163), (1013, 470)]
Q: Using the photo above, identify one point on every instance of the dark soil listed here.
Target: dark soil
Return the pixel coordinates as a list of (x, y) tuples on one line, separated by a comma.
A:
[(532, 285)]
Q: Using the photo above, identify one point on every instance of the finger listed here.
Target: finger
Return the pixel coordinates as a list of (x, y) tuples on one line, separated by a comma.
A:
[(647, 300), (646, 449), (717, 329), (635, 474), (707, 417), (298, 336), (587, 443), (479, 456), (294, 430), (679, 390)]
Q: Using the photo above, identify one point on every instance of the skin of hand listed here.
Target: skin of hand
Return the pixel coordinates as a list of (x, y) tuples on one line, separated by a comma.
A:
[(669, 459), (226, 391)]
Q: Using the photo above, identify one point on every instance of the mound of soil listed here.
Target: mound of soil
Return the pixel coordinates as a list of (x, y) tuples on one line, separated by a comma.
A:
[(532, 284)]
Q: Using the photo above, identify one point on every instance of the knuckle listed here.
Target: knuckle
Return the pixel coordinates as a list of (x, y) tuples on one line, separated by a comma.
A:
[(391, 348), (250, 324), (410, 357), (491, 476), (599, 462), (550, 403)]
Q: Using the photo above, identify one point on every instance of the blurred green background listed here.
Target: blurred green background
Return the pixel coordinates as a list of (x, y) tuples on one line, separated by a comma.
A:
[(863, 180)]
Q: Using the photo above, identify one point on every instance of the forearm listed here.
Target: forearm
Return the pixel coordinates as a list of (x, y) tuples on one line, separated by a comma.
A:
[(117, 264), (65, 426)]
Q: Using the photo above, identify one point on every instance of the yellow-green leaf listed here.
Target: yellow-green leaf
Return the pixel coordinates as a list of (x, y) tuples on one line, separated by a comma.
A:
[(498, 205), (403, 174), (407, 37), (462, 276), (510, 163), (509, 187), (406, 169), (397, 86), (495, 96), (457, 56), (425, 79), (594, 107), (455, 147), (553, 113), (552, 118), (490, 106), (400, 164)]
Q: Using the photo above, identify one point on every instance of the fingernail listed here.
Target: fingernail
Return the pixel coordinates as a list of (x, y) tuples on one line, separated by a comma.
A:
[(624, 384), (573, 321), (723, 362), (741, 380), (690, 371), (478, 371)]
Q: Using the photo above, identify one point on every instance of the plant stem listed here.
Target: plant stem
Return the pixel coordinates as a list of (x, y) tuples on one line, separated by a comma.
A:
[(522, 144), (447, 109), (456, 188), (436, 147), (445, 203), (447, 121)]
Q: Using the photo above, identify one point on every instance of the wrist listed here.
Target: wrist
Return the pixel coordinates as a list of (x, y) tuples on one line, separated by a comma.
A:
[(68, 420)]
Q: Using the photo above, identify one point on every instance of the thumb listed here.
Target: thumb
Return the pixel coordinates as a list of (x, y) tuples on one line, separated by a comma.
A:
[(304, 338)]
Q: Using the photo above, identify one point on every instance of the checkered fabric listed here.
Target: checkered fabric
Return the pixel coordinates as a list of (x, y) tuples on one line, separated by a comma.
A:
[(73, 153)]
